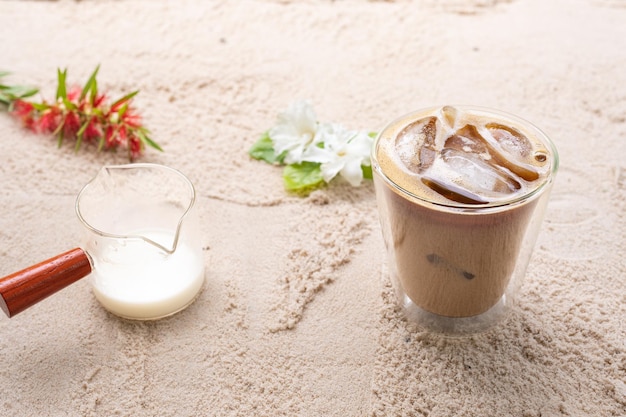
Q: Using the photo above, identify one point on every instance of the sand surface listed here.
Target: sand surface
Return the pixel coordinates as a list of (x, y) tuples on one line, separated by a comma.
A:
[(296, 317)]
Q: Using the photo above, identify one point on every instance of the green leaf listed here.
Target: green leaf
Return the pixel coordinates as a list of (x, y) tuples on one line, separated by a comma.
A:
[(90, 86), (263, 149), (59, 131), (82, 129), (101, 143), (302, 178), (94, 91), (69, 105), (367, 172), (24, 91), (61, 87), (40, 107), (10, 93), (372, 135), (95, 111), (153, 144), (143, 136), (122, 111), (79, 137), (124, 99)]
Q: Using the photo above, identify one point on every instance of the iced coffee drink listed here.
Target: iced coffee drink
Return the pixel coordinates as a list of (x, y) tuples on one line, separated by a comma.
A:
[(461, 192)]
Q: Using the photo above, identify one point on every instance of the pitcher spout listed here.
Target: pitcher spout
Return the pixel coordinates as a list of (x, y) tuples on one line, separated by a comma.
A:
[(141, 201)]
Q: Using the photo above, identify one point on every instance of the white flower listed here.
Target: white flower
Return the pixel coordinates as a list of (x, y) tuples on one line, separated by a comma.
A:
[(295, 131), (343, 152)]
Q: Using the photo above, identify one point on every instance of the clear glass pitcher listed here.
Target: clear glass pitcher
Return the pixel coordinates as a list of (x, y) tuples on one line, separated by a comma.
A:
[(141, 246)]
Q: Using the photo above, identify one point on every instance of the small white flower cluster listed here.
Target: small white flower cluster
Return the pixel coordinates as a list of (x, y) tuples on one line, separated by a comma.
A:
[(337, 149)]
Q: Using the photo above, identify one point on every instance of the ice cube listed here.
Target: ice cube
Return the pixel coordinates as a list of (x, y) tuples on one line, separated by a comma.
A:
[(479, 175), (452, 191), (513, 142), (449, 117), (467, 139), (510, 149), (467, 178), (415, 144)]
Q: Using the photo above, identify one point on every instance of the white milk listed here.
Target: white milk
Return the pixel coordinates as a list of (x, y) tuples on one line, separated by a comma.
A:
[(135, 280)]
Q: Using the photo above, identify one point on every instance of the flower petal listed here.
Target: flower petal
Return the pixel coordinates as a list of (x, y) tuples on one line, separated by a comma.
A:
[(294, 131), (331, 169), (317, 154), (352, 172)]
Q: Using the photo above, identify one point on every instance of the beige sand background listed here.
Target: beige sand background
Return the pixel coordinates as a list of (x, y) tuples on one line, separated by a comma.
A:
[(297, 318)]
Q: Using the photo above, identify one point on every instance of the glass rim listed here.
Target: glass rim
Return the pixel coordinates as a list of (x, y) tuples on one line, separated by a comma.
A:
[(465, 207), (105, 234)]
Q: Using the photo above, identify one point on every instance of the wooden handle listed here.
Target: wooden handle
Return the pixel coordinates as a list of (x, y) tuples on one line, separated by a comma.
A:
[(27, 287)]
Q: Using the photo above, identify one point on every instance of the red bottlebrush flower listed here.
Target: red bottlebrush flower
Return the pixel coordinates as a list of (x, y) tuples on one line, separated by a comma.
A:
[(49, 120), (71, 124), (122, 134), (82, 114), (93, 131), (134, 147), (22, 108), (26, 112), (111, 137), (117, 106), (74, 94), (131, 118), (98, 100)]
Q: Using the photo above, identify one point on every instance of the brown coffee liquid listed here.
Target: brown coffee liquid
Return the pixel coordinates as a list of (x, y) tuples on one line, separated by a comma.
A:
[(448, 187)]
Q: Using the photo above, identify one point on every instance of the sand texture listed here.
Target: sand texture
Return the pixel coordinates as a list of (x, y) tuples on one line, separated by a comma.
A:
[(297, 316)]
